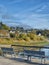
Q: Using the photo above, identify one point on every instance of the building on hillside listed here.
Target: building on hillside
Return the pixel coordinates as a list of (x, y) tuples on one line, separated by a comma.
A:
[(12, 31), (39, 34)]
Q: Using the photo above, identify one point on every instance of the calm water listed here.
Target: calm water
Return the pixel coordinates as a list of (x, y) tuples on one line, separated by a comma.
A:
[(46, 51)]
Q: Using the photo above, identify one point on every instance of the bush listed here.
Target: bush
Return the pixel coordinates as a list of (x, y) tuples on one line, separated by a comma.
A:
[(35, 37), (27, 39), (22, 36), (42, 38), (12, 35), (7, 38)]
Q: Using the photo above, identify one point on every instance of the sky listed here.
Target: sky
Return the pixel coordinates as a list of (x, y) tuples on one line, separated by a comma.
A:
[(34, 13)]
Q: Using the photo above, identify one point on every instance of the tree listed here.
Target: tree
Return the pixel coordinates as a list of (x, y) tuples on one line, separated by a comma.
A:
[(12, 35), (5, 27)]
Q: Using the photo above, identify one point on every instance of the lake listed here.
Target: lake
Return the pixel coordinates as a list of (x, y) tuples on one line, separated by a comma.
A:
[(46, 51)]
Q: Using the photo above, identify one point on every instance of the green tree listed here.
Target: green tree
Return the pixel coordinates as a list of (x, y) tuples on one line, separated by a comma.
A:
[(12, 35), (5, 27)]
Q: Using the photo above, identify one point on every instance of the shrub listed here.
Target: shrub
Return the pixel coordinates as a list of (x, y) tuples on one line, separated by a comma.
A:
[(7, 38), (27, 39), (42, 38), (22, 36), (12, 35)]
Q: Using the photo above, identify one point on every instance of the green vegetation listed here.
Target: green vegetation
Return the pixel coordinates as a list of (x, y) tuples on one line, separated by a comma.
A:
[(11, 41), (29, 37), (3, 26), (12, 35), (23, 37)]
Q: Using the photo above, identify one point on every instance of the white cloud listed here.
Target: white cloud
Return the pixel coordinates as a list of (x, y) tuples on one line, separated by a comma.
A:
[(34, 20), (29, 15), (43, 7)]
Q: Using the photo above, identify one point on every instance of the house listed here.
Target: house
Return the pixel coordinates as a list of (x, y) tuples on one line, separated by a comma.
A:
[(12, 31), (39, 34)]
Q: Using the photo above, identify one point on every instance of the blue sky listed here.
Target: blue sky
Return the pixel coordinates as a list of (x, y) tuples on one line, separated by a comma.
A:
[(34, 13)]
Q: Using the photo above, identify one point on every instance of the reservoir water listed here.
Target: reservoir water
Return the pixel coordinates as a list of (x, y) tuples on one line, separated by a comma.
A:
[(46, 51)]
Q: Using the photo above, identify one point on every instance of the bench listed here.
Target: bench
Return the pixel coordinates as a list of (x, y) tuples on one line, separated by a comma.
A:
[(9, 51), (32, 53)]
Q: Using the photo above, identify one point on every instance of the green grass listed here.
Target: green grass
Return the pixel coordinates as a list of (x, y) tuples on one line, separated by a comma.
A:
[(32, 43), (29, 43)]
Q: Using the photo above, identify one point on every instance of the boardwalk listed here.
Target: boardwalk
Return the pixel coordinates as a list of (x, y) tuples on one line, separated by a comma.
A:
[(18, 61)]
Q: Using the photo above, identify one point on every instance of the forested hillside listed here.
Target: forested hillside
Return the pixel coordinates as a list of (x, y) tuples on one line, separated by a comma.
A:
[(4, 26)]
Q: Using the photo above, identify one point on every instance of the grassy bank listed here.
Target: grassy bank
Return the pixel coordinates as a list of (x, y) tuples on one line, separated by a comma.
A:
[(11, 41)]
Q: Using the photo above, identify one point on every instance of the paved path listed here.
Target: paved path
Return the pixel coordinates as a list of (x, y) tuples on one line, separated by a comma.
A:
[(16, 61)]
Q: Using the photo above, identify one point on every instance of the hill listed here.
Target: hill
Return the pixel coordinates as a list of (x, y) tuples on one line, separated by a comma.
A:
[(4, 26)]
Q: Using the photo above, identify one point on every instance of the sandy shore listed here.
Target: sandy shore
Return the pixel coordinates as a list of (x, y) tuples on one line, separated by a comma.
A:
[(20, 61)]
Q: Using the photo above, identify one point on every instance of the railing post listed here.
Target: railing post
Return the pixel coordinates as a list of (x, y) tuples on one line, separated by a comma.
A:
[(44, 60), (41, 60), (30, 58)]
